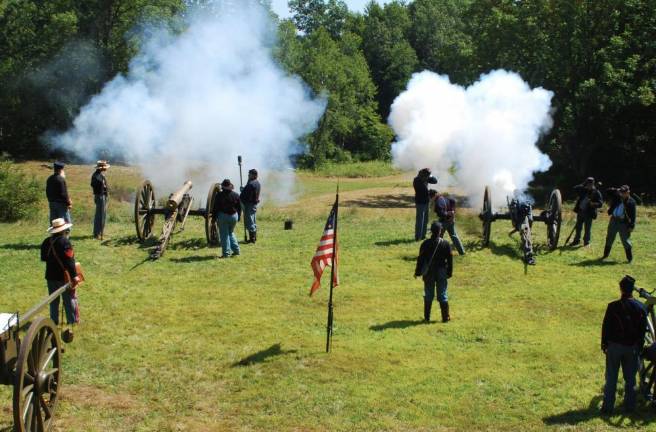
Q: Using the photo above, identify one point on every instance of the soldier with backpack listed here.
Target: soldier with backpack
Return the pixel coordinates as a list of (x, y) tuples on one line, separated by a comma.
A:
[(435, 266)]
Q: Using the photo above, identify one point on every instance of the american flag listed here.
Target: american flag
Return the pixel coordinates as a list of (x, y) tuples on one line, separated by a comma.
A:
[(324, 254)]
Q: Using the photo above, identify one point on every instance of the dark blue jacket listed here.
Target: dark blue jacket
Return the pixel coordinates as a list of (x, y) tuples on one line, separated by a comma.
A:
[(99, 183), (57, 252), (421, 189), (251, 192), (440, 253), (595, 200), (56, 189), (625, 323)]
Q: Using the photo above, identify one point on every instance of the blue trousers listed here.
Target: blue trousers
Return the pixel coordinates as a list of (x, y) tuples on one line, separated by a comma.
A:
[(59, 210), (616, 226), (450, 227), (249, 217), (229, 243), (627, 357), (54, 306), (433, 282), (101, 215), (583, 222), (421, 221)]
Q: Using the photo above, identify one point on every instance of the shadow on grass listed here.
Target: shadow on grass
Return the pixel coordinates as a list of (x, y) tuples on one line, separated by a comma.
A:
[(81, 237), (396, 325), (127, 241), (409, 258), (643, 416), (20, 247), (261, 356), (595, 262), (189, 244), (395, 242), (195, 258), (382, 201)]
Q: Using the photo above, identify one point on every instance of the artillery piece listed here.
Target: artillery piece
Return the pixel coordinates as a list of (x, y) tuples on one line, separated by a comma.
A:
[(176, 210), (647, 371), (520, 212), (33, 366)]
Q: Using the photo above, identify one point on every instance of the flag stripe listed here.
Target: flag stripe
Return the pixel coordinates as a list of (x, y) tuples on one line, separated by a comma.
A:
[(323, 256)]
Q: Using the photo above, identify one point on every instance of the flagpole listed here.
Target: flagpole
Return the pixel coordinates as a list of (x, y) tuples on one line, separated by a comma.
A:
[(329, 326)]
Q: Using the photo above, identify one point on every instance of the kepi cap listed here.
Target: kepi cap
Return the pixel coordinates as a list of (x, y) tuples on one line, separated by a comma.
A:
[(627, 284), (58, 165)]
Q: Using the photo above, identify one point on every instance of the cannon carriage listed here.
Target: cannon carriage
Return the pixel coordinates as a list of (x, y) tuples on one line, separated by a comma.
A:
[(32, 365), (520, 213), (647, 370), (177, 209)]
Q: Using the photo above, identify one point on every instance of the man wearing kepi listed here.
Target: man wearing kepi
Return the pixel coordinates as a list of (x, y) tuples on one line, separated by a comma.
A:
[(250, 198), (622, 338), (445, 207), (57, 192), (420, 184), (99, 186), (227, 209), (435, 266), (58, 254), (588, 203), (622, 212)]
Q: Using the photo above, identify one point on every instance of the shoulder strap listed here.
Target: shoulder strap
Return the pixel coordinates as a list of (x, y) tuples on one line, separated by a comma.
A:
[(52, 248), (437, 245)]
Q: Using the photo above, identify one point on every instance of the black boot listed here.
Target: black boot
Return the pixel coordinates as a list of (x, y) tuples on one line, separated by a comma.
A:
[(606, 252), (444, 307), (253, 236), (629, 254), (427, 310)]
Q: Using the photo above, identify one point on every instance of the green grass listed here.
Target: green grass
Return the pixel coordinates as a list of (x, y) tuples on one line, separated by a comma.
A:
[(356, 169), (194, 343)]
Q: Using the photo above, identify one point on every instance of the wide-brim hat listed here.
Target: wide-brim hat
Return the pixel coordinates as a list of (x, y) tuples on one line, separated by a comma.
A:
[(227, 184), (58, 225), (102, 164)]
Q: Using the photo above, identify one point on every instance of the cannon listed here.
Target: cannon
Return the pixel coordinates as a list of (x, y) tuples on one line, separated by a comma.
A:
[(520, 213), (176, 210), (647, 370), (32, 365)]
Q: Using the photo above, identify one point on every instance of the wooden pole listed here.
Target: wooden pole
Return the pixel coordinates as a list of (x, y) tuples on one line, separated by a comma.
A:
[(329, 326)]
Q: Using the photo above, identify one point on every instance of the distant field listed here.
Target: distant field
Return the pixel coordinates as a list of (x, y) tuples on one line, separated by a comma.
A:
[(194, 343)]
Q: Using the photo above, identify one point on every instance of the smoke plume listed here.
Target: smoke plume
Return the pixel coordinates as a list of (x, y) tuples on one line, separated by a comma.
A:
[(191, 102), (485, 134)]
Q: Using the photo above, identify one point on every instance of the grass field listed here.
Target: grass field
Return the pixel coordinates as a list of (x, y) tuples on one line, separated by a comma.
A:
[(195, 343)]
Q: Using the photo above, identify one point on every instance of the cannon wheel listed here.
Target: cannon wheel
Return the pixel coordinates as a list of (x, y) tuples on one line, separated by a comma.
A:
[(211, 230), (555, 219), (143, 202), (647, 373), (486, 215), (38, 378)]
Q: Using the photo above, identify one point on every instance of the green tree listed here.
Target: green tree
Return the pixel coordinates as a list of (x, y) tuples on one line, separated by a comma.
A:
[(310, 15), (390, 57)]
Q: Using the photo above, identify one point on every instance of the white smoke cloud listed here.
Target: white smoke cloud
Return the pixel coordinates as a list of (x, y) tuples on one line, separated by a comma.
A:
[(485, 134), (191, 102)]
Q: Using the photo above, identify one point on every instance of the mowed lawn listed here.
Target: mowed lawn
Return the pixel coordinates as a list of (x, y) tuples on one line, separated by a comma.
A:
[(196, 343)]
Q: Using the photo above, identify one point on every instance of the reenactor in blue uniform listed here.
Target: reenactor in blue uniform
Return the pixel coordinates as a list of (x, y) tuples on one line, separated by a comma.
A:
[(99, 186), (587, 205), (250, 198), (622, 212), (57, 193), (422, 201), (435, 266)]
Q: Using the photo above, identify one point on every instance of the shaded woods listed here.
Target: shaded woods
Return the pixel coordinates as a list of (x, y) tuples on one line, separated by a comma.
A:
[(598, 57)]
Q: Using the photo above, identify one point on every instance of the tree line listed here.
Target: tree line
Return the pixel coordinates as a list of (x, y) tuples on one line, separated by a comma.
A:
[(597, 56)]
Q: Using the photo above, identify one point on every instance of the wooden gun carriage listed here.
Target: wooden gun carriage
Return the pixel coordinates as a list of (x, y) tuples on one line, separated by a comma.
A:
[(522, 217), (176, 210), (32, 365)]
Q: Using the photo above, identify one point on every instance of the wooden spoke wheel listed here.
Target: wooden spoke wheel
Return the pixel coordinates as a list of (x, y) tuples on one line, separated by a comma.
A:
[(143, 203), (211, 228), (555, 212), (486, 216), (38, 378), (647, 373)]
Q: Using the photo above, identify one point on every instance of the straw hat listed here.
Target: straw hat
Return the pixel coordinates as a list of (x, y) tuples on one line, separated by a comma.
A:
[(102, 164), (58, 225)]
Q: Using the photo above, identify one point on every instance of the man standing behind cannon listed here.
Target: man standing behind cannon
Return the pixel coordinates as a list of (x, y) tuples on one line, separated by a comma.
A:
[(99, 186), (227, 209), (622, 338), (57, 252), (57, 192), (435, 265), (250, 198), (588, 203), (445, 207), (622, 213), (420, 184)]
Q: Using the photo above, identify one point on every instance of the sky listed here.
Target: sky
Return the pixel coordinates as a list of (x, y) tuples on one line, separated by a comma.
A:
[(280, 6)]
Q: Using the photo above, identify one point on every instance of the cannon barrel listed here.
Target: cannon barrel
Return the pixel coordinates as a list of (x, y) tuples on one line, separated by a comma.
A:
[(176, 197)]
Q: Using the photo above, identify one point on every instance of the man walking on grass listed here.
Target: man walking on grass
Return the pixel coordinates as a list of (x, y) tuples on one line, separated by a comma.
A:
[(622, 338), (435, 266), (622, 212)]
